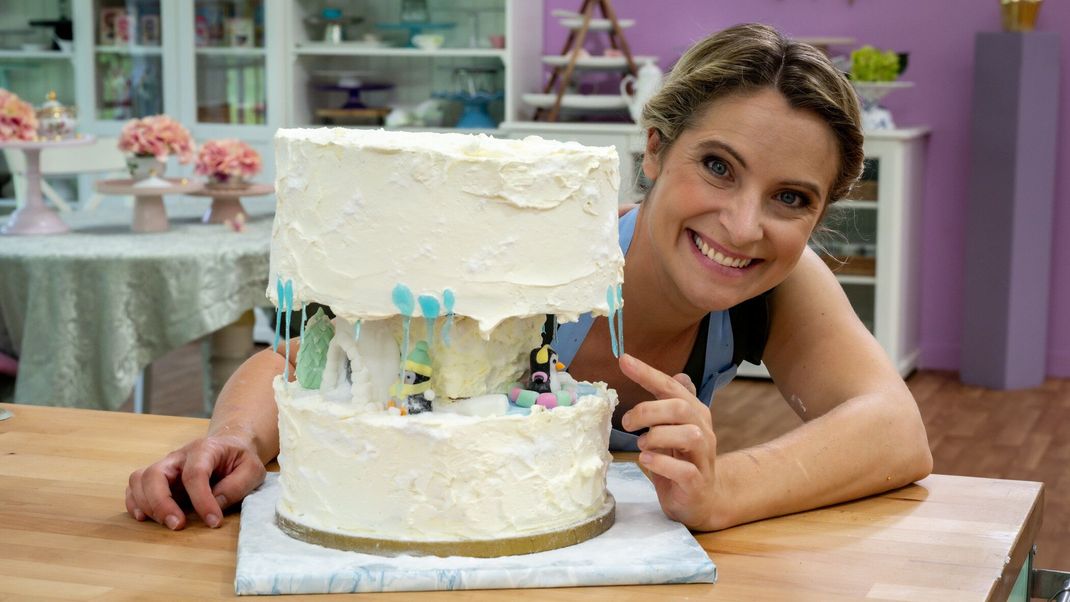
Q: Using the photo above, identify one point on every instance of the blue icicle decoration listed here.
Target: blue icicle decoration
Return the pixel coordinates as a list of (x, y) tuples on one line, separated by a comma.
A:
[(611, 299), (429, 307), (288, 291), (356, 331), (278, 312), (447, 301), (405, 303), (620, 317)]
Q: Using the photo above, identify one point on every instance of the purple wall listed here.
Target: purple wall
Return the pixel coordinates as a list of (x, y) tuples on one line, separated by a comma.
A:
[(940, 39)]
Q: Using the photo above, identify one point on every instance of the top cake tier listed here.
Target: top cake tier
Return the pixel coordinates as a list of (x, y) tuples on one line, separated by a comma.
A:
[(510, 228)]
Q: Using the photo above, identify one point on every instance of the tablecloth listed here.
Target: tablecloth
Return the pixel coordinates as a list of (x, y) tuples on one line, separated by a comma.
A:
[(86, 311)]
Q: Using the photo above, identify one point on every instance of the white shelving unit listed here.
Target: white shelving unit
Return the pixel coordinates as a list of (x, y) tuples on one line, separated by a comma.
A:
[(414, 72), (888, 300)]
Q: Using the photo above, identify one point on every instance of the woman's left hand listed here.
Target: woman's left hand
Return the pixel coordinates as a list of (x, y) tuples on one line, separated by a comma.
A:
[(680, 447)]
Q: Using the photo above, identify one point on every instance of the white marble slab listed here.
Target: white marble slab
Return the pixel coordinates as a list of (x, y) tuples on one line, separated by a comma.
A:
[(643, 547)]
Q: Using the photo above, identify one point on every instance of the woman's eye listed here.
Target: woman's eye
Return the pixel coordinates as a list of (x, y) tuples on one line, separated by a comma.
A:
[(717, 167), (793, 199)]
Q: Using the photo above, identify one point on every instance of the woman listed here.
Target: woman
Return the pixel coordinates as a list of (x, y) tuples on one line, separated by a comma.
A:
[(750, 140)]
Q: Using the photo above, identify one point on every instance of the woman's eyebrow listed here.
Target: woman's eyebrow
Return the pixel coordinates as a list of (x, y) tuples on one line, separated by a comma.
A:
[(804, 184), (708, 145)]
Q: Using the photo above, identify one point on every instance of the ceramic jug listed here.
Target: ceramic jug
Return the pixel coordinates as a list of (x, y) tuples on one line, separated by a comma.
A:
[(644, 87)]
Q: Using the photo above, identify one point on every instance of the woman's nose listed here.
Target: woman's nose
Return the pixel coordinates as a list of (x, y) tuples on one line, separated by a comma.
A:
[(742, 220)]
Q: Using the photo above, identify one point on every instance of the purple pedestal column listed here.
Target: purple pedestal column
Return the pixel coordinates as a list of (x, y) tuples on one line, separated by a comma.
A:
[(1009, 220)]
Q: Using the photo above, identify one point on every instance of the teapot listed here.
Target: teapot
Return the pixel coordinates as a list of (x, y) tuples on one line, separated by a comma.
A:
[(645, 85)]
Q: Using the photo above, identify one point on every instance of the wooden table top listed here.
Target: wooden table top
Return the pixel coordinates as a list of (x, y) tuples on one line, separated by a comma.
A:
[(64, 531)]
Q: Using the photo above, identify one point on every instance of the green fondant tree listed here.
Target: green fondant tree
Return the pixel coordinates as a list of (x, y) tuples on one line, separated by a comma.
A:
[(313, 354)]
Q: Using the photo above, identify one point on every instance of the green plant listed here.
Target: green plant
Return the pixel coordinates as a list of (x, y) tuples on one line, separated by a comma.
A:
[(871, 65)]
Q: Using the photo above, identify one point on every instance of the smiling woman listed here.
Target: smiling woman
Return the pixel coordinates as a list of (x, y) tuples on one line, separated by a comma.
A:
[(750, 140)]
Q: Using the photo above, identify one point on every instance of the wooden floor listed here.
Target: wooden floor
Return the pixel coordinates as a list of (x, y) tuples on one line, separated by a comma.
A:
[(1020, 435)]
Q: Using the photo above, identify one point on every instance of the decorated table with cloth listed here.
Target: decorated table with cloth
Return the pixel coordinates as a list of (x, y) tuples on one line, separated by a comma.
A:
[(64, 532), (86, 311)]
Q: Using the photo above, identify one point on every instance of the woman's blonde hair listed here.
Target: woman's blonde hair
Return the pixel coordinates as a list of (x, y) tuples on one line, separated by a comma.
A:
[(750, 57)]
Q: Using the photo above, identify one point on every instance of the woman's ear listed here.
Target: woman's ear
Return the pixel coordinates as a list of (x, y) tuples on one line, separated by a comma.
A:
[(651, 160)]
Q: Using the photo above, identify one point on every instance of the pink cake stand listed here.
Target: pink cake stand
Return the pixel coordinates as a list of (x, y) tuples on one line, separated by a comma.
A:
[(150, 214), (35, 217), (226, 202)]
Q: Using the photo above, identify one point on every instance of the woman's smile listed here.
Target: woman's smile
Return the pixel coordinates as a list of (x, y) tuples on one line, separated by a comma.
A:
[(717, 257)]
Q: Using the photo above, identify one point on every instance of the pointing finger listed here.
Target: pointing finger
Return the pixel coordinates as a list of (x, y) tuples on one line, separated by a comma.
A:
[(656, 382)]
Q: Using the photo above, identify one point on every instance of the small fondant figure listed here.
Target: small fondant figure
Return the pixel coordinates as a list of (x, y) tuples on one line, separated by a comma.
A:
[(414, 395), (544, 386)]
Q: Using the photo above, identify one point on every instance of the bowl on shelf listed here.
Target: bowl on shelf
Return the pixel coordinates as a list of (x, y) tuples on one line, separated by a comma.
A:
[(874, 116), (579, 102), (428, 41)]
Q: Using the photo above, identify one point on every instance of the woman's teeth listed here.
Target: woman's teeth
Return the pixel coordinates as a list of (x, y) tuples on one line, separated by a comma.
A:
[(717, 257)]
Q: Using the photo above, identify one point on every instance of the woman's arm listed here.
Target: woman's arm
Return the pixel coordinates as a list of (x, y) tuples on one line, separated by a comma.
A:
[(862, 433), (242, 437)]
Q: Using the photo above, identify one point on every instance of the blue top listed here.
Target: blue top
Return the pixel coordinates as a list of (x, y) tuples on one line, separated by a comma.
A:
[(717, 372)]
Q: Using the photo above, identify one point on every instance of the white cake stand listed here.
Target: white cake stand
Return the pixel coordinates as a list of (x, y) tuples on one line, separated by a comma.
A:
[(226, 202), (35, 217), (150, 214)]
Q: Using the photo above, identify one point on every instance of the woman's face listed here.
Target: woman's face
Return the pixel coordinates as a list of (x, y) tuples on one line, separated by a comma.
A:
[(736, 197)]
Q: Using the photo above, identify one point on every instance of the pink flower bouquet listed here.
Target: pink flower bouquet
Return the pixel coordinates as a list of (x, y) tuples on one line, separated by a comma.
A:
[(157, 136), (227, 161), (18, 120)]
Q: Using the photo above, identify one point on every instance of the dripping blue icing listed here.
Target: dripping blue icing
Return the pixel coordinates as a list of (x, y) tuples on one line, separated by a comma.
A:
[(447, 300), (620, 317), (429, 307), (405, 303), (403, 300), (288, 292), (611, 299), (356, 331), (278, 312)]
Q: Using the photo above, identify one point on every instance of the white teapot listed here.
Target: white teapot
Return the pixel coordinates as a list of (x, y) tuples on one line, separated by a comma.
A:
[(645, 86)]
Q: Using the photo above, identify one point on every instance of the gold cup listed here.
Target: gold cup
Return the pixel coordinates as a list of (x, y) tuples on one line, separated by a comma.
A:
[(1019, 15)]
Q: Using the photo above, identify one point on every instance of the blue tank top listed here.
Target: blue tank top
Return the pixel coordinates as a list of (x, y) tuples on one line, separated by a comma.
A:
[(717, 372)]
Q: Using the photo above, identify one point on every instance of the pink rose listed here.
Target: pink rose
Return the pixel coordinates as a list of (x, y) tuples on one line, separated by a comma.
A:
[(156, 135), (229, 158), (18, 120)]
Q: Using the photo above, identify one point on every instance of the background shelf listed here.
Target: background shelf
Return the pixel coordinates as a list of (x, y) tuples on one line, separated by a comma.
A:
[(324, 49)]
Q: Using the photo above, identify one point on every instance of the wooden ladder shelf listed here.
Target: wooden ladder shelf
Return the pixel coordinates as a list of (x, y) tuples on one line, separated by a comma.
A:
[(561, 76)]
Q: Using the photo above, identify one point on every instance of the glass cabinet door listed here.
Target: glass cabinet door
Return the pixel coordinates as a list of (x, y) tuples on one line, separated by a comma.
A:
[(231, 79), (36, 50), (128, 59)]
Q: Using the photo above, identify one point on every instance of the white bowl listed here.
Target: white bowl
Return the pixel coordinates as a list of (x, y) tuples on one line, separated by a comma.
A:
[(428, 41)]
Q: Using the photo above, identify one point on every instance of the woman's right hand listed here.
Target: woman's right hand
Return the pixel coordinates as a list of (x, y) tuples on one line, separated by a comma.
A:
[(212, 472)]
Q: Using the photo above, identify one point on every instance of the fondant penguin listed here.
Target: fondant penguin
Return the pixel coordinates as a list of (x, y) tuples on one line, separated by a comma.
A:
[(543, 387), (414, 395), (543, 370)]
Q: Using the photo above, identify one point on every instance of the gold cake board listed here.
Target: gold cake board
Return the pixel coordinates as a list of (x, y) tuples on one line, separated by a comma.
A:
[(478, 548)]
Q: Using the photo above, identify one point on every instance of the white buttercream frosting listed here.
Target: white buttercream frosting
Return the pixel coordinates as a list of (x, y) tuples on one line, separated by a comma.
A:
[(514, 228), (441, 476), (508, 231)]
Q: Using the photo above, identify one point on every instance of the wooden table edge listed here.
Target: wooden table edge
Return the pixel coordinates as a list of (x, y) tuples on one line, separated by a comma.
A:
[(1020, 549)]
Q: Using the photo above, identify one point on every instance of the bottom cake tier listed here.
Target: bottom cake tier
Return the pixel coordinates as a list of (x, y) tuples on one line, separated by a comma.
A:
[(443, 483)]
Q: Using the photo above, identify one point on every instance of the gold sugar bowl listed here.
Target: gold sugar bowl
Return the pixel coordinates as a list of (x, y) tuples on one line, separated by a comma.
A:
[(56, 121)]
